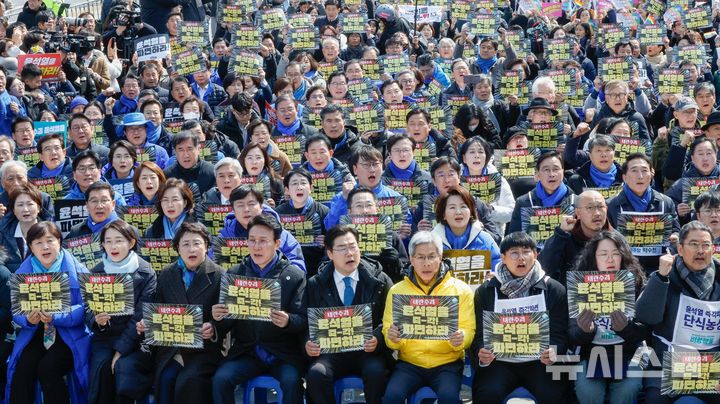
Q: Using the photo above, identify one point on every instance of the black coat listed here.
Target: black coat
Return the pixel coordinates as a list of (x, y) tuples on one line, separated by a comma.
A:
[(582, 179), (287, 344), (27, 16), (343, 152), (373, 287), (202, 174), (157, 229), (529, 200), (483, 213), (313, 254), (48, 209), (205, 291)]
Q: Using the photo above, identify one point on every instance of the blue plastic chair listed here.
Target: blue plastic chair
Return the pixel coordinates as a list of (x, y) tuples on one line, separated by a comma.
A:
[(425, 393), (264, 383), (346, 383), (520, 392)]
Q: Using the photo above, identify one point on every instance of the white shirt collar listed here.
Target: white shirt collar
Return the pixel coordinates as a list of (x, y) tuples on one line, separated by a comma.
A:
[(338, 277), (18, 232), (223, 200)]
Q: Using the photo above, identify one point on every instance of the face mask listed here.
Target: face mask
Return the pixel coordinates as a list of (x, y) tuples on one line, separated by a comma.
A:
[(472, 127), (191, 116)]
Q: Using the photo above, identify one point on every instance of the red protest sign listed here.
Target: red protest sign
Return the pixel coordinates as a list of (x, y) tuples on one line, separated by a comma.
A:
[(49, 64)]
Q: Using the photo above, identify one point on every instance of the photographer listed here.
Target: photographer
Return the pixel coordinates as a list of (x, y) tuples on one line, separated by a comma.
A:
[(32, 76), (125, 27), (79, 76), (92, 59)]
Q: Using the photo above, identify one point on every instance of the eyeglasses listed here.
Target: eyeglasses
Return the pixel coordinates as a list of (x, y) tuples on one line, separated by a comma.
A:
[(86, 169), (344, 249), (698, 246), (258, 243), (603, 256), (49, 149), (80, 127), (98, 202), (515, 255), (616, 96), (368, 166), (710, 211)]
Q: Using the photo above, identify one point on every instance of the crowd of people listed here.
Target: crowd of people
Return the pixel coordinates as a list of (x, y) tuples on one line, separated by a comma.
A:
[(545, 140)]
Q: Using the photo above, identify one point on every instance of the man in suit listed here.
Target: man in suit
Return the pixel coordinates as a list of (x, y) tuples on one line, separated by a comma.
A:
[(349, 279)]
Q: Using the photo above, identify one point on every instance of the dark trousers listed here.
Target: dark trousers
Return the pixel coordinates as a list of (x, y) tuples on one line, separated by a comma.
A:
[(187, 383), (132, 379), (328, 368), (240, 370), (493, 383), (48, 366), (406, 379)]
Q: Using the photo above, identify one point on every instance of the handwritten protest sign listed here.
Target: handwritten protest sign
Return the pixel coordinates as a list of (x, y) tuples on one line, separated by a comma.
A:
[(425, 317), (340, 329), (601, 292), (647, 234), (173, 325), (690, 373), (108, 293), (516, 336), (470, 266), (249, 298), (48, 292)]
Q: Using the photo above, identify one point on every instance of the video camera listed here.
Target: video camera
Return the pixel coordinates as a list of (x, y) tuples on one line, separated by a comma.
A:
[(125, 18), (79, 44)]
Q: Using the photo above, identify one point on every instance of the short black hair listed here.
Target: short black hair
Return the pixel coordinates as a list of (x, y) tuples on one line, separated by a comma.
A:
[(296, 171), (700, 140), (517, 239), (330, 109), (191, 227), (30, 71), (442, 161), (709, 199), (85, 154), (634, 156), (549, 155), (47, 138), (359, 190), (21, 119), (99, 186), (318, 138), (266, 221), (398, 137), (694, 225), (241, 102), (243, 191), (127, 77), (339, 231)]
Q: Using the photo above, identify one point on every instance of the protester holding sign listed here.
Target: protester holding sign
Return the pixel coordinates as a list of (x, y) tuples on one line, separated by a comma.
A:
[(616, 105), (520, 287), (25, 205), (437, 363), (175, 205), (188, 166), (183, 374), (349, 279), (80, 133), (262, 347), (100, 203), (147, 181), (86, 171), (227, 177), (135, 129), (680, 298), (256, 165), (702, 173), (707, 208), (290, 133), (121, 162), (258, 131), (597, 168), (328, 172), (49, 346), (53, 160), (119, 370)]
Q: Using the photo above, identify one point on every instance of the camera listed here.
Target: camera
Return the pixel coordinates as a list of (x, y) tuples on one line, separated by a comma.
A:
[(75, 21), (79, 44), (125, 18)]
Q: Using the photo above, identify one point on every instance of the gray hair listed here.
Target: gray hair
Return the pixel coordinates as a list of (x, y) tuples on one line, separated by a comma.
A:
[(446, 40), (542, 81), (703, 86), (484, 79), (10, 142), (425, 237), (330, 38), (601, 140), (183, 136), (12, 163), (229, 161)]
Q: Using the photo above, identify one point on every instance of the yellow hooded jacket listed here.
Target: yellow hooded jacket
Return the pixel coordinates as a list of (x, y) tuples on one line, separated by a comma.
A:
[(432, 353)]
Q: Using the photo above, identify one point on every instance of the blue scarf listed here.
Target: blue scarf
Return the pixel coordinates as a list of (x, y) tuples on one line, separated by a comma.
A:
[(466, 171), (639, 203), (188, 275), (75, 192), (96, 227), (262, 272), (38, 268), (458, 242), (486, 64), (128, 104), (171, 228), (300, 92), (308, 204), (602, 179), (47, 173), (113, 174), (153, 132), (552, 199), (402, 173), (341, 143), (288, 130)]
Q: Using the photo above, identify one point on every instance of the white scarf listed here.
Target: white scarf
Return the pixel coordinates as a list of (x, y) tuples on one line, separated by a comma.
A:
[(127, 266)]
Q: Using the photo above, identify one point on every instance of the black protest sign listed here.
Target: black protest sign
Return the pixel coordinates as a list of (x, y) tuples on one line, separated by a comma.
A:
[(249, 298), (461, 9), (69, 212), (361, 90), (425, 317), (352, 23), (303, 38), (545, 136), (697, 54), (483, 25), (625, 146), (440, 117), (654, 7), (228, 252), (195, 32), (564, 80), (270, 19), (516, 336), (245, 63), (371, 68), (209, 152), (518, 41), (147, 153), (455, 102), (326, 185), (412, 190), (233, 12), (49, 292), (611, 34), (260, 182), (511, 84), (651, 34), (396, 207), (692, 372), (28, 155), (647, 234), (304, 228), (698, 18), (367, 118), (158, 252), (327, 68), (601, 292), (108, 293), (173, 325), (212, 216), (616, 68), (85, 248), (99, 136), (607, 192), (425, 154), (695, 186), (153, 47), (188, 62), (394, 64), (292, 146), (673, 81), (375, 232), (485, 187), (301, 20), (517, 163), (245, 36), (311, 116), (340, 329), (559, 49), (56, 187), (428, 201), (470, 266), (395, 115), (540, 223), (138, 216)]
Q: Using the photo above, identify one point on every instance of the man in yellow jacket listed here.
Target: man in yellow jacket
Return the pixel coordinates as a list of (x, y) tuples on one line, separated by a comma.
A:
[(435, 359)]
